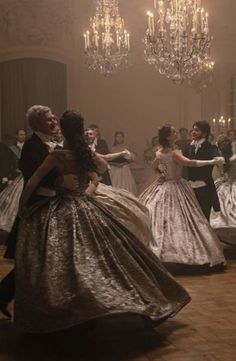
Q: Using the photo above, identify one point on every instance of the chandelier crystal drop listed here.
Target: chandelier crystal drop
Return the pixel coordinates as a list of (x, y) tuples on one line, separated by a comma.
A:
[(177, 40), (107, 43), (204, 77)]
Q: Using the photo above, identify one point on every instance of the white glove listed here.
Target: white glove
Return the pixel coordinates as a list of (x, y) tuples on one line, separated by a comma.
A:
[(219, 160), (203, 163), (128, 155), (125, 152)]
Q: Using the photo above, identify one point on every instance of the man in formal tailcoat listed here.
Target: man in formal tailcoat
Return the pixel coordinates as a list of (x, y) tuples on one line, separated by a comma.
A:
[(99, 146), (17, 147), (35, 150), (201, 178)]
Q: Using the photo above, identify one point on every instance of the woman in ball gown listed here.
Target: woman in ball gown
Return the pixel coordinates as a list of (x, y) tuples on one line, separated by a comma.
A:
[(75, 261), (181, 232), (224, 222), (10, 195), (9, 202), (121, 175)]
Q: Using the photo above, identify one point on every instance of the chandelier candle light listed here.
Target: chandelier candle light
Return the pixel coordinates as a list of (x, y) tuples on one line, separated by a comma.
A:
[(220, 126), (177, 40), (204, 77), (107, 44)]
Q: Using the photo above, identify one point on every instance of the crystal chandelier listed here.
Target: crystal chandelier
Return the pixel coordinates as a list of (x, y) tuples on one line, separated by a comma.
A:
[(177, 40), (221, 125), (204, 77), (107, 44)]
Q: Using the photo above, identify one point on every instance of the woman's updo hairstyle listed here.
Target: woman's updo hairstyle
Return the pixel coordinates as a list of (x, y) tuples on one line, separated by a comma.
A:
[(225, 147), (72, 126), (163, 133)]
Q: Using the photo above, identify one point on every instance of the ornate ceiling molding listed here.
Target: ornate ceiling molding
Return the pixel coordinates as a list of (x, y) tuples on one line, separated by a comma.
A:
[(36, 22)]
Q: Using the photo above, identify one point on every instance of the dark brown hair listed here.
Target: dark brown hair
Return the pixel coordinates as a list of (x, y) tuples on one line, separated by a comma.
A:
[(163, 133), (72, 126)]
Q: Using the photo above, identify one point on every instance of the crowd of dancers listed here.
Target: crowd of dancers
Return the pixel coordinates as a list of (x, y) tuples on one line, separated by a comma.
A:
[(84, 249)]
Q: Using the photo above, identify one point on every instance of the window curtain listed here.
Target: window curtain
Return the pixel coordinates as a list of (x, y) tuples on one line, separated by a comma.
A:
[(25, 82)]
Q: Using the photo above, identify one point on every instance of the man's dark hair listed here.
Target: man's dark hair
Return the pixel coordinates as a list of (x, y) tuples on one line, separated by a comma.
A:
[(163, 133), (204, 126), (93, 126), (20, 130)]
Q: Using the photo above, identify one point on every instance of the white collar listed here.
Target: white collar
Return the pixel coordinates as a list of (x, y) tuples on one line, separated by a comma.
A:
[(199, 142), (92, 147), (20, 145), (59, 144), (47, 140)]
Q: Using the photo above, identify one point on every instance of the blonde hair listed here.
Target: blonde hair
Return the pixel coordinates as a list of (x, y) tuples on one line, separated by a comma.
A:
[(35, 114)]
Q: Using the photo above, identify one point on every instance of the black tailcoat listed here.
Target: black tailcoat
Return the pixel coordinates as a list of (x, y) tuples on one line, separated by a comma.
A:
[(207, 196)]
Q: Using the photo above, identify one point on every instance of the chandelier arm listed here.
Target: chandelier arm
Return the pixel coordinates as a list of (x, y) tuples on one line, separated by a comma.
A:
[(171, 45)]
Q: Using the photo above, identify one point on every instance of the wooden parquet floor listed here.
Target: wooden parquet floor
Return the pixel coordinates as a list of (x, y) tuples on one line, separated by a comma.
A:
[(204, 331)]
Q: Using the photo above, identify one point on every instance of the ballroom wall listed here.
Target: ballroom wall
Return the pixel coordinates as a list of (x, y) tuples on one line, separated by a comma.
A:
[(136, 100), (30, 81)]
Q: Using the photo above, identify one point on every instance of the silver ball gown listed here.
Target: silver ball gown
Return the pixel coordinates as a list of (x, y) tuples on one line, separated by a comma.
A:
[(75, 261), (9, 203), (128, 209), (120, 172), (181, 232), (224, 222)]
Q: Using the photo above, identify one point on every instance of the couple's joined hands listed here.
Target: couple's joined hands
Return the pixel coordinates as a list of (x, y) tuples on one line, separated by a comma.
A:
[(219, 160)]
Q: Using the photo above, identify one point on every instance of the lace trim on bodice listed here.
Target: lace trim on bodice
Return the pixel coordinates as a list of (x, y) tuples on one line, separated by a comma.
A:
[(168, 168)]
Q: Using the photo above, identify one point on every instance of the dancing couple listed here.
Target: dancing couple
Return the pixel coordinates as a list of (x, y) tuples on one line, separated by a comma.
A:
[(75, 259), (180, 209)]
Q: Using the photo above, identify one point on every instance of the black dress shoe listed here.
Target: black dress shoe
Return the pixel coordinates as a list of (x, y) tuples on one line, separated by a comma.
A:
[(4, 310)]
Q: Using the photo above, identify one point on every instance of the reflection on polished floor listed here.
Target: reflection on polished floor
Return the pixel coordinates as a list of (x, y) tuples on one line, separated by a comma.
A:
[(204, 331)]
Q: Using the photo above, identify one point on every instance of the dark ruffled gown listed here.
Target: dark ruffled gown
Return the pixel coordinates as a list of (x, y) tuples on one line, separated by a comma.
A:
[(75, 261), (224, 222), (181, 232)]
